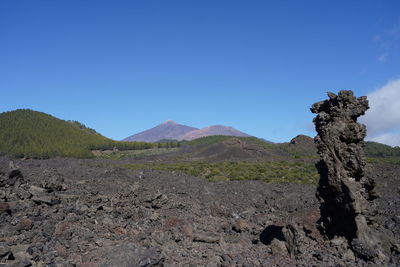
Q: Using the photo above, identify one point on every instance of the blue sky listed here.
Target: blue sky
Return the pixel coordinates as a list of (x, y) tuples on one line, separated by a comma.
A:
[(121, 67)]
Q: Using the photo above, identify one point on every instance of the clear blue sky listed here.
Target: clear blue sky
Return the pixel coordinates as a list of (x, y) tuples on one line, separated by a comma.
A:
[(121, 67)]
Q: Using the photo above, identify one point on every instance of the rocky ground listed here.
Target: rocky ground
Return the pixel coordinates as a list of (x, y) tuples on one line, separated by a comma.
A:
[(87, 212)]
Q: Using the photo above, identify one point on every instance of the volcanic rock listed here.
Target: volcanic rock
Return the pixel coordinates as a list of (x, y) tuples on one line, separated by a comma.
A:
[(240, 225), (4, 207), (109, 216), (4, 250), (345, 194), (278, 247), (206, 237)]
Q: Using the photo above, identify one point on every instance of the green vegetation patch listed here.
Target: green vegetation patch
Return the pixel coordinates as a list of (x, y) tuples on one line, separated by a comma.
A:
[(384, 160), (373, 149), (110, 154), (272, 172), (209, 140), (292, 151), (32, 134)]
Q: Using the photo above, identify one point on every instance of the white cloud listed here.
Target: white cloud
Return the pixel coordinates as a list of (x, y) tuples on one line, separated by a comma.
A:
[(383, 117), (391, 139)]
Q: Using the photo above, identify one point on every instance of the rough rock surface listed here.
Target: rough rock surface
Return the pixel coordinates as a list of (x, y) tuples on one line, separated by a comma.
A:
[(345, 193), (104, 215)]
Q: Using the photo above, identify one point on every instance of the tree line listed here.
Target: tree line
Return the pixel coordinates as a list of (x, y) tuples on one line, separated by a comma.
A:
[(32, 134)]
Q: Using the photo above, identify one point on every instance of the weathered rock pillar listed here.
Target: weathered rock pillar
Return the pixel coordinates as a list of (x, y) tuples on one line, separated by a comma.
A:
[(343, 191)]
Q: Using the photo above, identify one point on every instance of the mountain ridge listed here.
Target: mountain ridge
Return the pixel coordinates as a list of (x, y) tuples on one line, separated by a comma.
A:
[(170, 130), (214, 130)]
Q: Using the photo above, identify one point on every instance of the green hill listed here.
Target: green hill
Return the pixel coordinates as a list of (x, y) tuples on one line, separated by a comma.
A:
[(213, 139), (374, 149), (302, 149), (299, 147), (32, 134)]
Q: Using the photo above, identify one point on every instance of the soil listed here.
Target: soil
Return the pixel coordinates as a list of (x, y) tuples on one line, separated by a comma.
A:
[(89, 212)]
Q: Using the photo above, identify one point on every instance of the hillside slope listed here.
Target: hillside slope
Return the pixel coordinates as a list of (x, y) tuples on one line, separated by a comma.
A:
[(213, 130), (28, 133), (252, 148), (301, 147)]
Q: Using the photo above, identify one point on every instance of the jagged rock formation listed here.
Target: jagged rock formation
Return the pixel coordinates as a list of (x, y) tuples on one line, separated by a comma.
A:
[(345, 194)]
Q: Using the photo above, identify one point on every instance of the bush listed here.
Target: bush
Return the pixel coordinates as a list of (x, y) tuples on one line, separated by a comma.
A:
[(295, 172)]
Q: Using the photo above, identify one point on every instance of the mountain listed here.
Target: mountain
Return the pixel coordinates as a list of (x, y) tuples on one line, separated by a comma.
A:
[(213, 130), (169, 130), (33, 134)]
